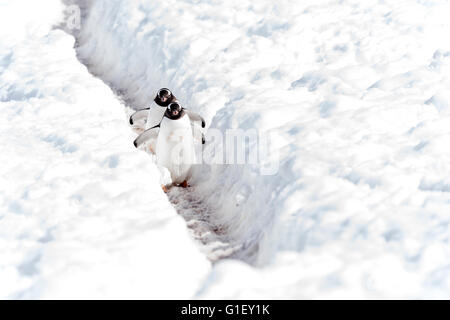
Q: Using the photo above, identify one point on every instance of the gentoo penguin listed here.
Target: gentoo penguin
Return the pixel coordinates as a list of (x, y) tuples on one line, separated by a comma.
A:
[(155, 112), (175, 144)]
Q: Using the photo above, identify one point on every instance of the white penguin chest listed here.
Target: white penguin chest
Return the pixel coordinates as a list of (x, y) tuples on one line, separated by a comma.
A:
[(175, 147), (175, 131)]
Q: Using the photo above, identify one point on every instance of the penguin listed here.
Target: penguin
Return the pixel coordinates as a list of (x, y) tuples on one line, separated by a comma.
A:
[(155, 112), (175, 144)]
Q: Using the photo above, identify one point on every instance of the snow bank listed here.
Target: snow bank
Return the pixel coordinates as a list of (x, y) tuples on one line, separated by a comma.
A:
[(355, 96), (81, 212)]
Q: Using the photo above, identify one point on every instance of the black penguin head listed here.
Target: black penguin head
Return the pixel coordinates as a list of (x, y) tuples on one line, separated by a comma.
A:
[(174, 109), (164, 96)]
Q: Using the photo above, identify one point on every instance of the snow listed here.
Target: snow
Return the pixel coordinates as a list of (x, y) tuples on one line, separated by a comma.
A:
[(354, 96), (82, 215)]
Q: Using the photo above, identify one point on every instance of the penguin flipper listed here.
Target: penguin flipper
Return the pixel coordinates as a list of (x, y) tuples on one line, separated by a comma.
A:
[(138, 115), (196, 117), (145, 136)]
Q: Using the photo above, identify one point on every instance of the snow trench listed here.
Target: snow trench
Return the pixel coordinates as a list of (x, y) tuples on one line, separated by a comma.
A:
[(355, 94), (134, 70)]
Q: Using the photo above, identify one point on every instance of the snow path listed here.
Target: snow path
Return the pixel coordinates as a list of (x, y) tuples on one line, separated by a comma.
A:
[(212, 238), (359, 206), (216, 244), (73, 221)]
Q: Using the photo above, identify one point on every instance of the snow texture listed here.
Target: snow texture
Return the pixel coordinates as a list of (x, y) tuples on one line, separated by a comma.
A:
[(354, 95), (82, 215)]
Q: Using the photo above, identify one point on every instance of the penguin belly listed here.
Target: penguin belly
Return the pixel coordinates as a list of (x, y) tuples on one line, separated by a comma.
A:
[(155, 115), (175, 148)]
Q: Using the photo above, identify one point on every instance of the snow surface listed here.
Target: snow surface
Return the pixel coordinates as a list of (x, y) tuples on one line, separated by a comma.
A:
[(82, 215), (354, 94)]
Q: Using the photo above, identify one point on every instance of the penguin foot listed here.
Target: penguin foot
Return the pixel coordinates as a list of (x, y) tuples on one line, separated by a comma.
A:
[(184, 184), (164, 188)]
